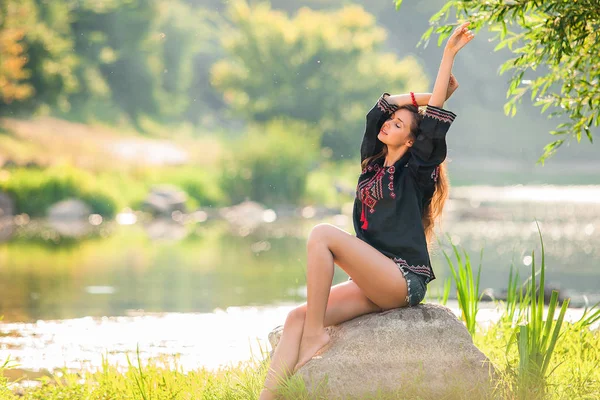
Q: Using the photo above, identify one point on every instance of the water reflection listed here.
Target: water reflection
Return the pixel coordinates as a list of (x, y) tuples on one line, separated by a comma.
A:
[(199, 264), (203, 268)]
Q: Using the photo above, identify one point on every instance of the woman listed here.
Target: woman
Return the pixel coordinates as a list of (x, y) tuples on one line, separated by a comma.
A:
[(400, 192)]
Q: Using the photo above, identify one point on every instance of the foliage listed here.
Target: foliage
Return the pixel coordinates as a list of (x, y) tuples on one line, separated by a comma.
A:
[(199, 183), (318, 67), (34, 191), (4, 390), (12, 71), (515, 296), (40, 61), (536, 338), (332, 184), (467, 287), (557, 37), (271, 164), (101, 59)]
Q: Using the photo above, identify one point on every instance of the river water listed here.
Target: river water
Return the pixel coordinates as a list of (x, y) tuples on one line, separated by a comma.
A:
[(210, 291)]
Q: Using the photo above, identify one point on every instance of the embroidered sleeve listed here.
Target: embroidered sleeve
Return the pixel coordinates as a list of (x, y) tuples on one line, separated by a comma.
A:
[(380, 112), (429, 149), (430, 146)]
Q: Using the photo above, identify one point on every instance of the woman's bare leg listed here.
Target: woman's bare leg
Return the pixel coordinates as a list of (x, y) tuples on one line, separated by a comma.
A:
[(375, 274), (346, 301)]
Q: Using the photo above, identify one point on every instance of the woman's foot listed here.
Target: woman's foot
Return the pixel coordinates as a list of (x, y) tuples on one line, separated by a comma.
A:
[(310, 346)]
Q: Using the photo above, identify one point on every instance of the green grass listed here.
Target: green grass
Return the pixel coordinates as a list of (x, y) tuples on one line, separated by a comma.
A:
[(467, 286), (575, 375), (530, 371), (536, 336)]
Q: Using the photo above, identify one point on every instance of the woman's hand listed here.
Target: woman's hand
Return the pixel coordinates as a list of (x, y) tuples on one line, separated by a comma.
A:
[(459, 38), (452, 86), (444, 84)]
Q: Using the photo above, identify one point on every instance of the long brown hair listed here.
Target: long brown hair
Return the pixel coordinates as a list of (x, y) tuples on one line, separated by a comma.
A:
[(433, 210)]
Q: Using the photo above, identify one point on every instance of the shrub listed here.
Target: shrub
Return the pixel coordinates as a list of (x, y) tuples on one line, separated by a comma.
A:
[(271, 164), (34, 190)]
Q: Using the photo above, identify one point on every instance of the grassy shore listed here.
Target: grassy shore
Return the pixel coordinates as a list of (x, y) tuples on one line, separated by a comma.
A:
[(575, 374)]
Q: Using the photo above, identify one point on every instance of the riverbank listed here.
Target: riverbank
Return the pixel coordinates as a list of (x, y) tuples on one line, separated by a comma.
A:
[(92, 354), (208, 340)]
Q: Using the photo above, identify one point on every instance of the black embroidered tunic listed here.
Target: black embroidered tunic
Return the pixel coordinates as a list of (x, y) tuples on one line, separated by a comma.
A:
[(390, 200)]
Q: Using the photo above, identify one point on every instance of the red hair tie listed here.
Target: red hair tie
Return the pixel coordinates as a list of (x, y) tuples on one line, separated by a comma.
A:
[(414, 101)]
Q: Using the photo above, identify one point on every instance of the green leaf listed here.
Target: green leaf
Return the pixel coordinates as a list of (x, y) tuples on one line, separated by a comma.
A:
[(549, 150), (505, 67), (546, 105), (500, 45)]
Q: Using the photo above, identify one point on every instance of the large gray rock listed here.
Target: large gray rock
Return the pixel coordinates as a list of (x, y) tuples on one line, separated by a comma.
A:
[(164, 200), (70, 218), (418, 352), (69, 209), (248, 214)]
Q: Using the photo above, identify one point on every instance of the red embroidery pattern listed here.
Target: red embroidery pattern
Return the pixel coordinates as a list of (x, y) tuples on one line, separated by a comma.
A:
[(370, 190), (440, 114), (417, 269)]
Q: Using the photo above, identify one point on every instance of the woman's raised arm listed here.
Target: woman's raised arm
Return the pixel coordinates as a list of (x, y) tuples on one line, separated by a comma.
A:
[(459, 38), (405, 99), (422, 99)]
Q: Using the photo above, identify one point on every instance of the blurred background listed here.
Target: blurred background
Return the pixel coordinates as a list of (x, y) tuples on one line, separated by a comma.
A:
[(171, 156)]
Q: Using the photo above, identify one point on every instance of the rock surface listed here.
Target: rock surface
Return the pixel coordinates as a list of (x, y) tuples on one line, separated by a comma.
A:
[(69, 209), (418, 352), (248, 214), (164, 200)]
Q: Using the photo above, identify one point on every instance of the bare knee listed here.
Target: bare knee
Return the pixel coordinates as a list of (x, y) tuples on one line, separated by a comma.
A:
[(295, 318), (319, 235)]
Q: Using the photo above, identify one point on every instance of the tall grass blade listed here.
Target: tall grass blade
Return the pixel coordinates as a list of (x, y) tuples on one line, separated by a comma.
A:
[(555, 334), (548, 322), (511, 296), (467, 287), (586, 320), (536, 338)]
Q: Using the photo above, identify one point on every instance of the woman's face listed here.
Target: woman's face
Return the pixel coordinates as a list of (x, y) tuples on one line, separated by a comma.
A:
[(396, 130)]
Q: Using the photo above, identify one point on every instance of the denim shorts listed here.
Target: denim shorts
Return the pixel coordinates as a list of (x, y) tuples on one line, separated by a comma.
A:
[(417, 286)]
